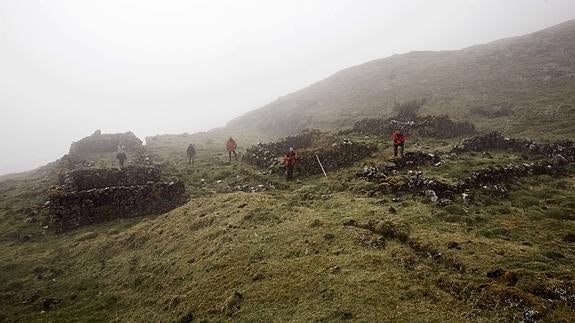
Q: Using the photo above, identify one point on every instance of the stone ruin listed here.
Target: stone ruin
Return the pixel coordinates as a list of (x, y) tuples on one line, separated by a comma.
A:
[(495, 140), (428, 126), (559, 155), (488, 179), (334, 153), (98, 142), (89, 196)]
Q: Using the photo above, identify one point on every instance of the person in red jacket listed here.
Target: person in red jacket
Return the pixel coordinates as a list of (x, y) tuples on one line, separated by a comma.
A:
[(398, 142), (231, 146), (289, 161)]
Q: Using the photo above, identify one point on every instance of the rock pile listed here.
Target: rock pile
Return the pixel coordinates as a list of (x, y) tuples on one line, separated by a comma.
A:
[(98, 142), (96, 195), (334, 153), (427, 126), (495, 140), (410, 159)]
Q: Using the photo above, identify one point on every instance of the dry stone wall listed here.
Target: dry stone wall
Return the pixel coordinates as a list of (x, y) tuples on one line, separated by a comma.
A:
[(495, 140), (334, 153), (95, 195), (428, 126), (98, 142)]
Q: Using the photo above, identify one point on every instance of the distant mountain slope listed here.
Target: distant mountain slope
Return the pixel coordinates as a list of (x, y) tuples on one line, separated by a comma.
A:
[(535, 74)]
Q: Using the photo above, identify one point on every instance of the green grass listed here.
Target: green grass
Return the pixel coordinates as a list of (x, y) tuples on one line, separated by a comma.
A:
[(287, 250)]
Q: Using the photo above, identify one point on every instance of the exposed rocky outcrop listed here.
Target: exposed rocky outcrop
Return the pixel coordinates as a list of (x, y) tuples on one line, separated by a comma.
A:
[(98, 142)]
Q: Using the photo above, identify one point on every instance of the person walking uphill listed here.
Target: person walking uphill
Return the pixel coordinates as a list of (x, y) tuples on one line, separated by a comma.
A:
[(121, 155), (290, 159), (191, 152), (231, 146), (398, 142)]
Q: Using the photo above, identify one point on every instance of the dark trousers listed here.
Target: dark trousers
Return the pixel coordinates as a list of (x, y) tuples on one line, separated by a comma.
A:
[(121, 158), (289, 172), (190, 160), (230, 154), (396, 146)]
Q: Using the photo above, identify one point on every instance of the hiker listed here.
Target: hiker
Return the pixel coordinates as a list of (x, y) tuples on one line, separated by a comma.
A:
[(121, 155), (398, 142), (231, 146), (289, 161), (191, 152)]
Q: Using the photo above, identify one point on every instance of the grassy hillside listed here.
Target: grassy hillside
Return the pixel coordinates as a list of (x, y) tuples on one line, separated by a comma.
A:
[(533, 74), (301, 251)]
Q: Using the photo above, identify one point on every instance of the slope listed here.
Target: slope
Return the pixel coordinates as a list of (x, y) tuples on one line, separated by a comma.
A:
[(534, 74)]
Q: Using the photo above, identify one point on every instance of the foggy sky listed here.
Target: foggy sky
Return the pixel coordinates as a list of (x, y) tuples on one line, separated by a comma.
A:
[(68, 68)]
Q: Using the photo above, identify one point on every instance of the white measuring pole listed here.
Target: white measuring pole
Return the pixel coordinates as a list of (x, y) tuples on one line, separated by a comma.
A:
[(320, 165)]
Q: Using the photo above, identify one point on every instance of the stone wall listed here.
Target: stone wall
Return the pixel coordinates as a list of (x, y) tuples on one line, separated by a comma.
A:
[(96, 195), (428, 126), (98, 142), (77, 208), (495, 140), (84, 179), (415, 182), (334, 153)]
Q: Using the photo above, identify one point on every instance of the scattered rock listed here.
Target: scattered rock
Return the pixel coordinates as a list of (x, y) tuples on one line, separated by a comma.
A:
[(431, 196), (569, 237), (453, 245), (188, 318), (51, 302), (232, 304), (87, 236), (329, 236), (349, 222), (495, 273)]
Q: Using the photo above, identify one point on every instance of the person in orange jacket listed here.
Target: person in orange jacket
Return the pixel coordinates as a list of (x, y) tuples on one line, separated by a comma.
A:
[(398, 139), (231, 146), (290, 159)]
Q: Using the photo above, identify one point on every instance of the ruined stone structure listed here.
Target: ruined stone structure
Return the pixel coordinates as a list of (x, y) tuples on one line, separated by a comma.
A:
[(495, 140), (334, 153), (416, 182), (85, 179), (98, 142), (428, 126), (96, 195)]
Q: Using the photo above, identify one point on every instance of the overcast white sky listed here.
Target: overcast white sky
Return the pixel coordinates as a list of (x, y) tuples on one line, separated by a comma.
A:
[(68, 68)]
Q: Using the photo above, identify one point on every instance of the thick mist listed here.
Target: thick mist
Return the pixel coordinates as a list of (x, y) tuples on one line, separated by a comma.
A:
[(68, 68)]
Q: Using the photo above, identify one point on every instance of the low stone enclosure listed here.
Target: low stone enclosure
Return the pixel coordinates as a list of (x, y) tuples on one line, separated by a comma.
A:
[(98, 142), (90, 196), (333, 152), (557, 158), (428, 126)]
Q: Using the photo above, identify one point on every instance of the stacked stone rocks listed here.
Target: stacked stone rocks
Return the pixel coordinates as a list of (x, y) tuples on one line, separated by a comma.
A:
[(334, 153), (269, 154), (487, 178), (96, 195), (495, 140), (98, 142), (427, 126)]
